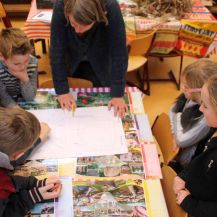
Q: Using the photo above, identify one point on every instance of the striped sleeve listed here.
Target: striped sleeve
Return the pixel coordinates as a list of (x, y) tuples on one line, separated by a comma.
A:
[(28, 89), (5, 99), (35, 195)]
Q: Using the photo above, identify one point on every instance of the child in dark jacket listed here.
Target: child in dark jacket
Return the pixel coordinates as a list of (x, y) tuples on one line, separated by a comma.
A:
[(18, 195), (195, 187)]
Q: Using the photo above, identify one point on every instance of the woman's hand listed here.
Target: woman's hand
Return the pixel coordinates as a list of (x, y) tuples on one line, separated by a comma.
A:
[(45, 130), (66, 101), (181, 195), (120, 107), (178, 184)]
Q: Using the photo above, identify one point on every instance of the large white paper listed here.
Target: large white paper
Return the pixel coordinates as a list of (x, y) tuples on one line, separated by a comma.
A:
[(92, 131)]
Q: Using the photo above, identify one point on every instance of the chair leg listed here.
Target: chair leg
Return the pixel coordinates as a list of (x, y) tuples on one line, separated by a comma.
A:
[(43, 44), (140, 87), (142, 79), (180, 71), (7, 22), (145, 78)]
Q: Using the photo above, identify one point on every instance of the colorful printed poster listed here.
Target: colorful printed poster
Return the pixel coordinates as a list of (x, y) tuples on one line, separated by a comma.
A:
[(109, 198), (47, 99), (92, 99), (195, 37), (43, 100), (123, 166), (47, 167)]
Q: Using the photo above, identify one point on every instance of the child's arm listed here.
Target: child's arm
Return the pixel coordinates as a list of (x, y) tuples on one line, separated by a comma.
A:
[(199, 208), (19, 203), (5, 98), (27, 183), (21, 182), (29, 88)]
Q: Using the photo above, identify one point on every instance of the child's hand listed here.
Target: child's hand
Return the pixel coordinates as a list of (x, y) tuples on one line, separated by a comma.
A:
[(45, 130), (181, 195), (21, 75), (49, 192), (178, 184), (52, 180)]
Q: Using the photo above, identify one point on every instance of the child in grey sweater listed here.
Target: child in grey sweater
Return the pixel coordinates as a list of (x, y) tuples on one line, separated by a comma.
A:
[(18, 68)]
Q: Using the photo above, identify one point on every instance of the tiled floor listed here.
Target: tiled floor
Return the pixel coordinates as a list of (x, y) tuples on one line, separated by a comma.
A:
[(163, 93)]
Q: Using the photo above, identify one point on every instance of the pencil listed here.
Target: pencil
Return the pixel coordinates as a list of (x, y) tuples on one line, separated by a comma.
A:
[(73, 109)]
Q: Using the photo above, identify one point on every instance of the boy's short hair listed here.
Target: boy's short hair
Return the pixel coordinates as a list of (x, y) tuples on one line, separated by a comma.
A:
[(14, 41), (19, 129)]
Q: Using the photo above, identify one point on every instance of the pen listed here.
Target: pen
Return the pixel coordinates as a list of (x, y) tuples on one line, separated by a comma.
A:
[(73, 110)]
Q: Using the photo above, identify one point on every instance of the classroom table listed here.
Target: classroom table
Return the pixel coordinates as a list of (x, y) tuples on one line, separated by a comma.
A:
[(139, 167), (168, 31)]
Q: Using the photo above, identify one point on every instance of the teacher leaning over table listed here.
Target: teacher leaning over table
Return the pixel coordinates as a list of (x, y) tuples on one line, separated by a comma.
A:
[(88, 41)]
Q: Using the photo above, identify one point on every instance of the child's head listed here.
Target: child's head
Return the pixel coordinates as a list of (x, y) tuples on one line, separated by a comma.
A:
[(15, 49), (82, 14), (209, 101), (195, 75), (18, 130)]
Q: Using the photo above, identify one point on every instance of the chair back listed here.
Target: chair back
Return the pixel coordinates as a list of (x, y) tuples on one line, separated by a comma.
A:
[(4, 17), (141, 45), (2, 11), (73, 82), (162, 132), (170, 197)]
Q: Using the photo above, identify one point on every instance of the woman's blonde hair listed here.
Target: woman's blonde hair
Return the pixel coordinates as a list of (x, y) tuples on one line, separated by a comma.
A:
[(197, 73), (211, 85), (19, 129), (14, 41), (85, 12)]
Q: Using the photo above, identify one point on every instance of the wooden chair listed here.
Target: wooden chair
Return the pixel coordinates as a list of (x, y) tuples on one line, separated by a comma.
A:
[(170, 197), (4, 17), (73, 82), (171, 75), (159, 152), (162, 132), (137, 60)]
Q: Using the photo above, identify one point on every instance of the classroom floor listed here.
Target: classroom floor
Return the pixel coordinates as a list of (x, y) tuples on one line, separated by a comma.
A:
[(163, 93)]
